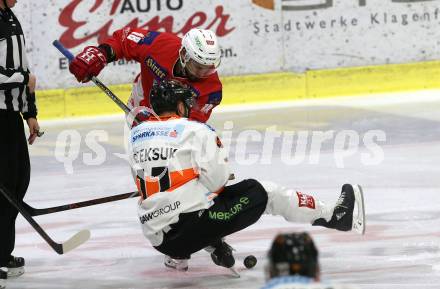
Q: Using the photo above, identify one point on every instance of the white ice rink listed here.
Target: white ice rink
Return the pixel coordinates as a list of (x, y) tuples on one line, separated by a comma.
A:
[(401, 248)]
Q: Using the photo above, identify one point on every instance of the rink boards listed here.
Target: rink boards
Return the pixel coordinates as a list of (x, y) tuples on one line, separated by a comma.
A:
[(248, 89)]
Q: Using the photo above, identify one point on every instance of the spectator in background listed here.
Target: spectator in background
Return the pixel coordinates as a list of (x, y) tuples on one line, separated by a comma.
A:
[(17, 102)]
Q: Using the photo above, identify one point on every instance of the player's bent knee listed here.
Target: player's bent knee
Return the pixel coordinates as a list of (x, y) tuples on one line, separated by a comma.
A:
[(256, 189)]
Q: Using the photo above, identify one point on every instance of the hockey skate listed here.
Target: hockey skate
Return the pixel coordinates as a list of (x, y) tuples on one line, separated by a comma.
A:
[(221, 255), (349, 211), (175, 263), (15, 266), (3, 277)]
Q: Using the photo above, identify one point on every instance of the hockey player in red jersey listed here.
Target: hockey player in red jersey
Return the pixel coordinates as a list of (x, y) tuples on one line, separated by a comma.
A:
[(192, 60)]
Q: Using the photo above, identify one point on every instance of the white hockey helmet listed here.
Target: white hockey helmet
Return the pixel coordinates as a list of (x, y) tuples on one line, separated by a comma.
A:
[(200, 52)]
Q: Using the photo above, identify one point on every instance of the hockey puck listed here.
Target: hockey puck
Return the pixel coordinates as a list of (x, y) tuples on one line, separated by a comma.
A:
[(250, 261)]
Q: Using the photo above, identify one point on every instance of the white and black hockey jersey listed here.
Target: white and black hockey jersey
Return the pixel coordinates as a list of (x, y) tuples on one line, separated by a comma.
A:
[(180, 166), (14, 71)]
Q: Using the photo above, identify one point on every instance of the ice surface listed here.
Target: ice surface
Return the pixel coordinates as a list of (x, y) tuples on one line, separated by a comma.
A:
[(401, 248)]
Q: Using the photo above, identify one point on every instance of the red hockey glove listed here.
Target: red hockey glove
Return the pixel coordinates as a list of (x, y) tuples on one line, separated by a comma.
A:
[(88, 63)]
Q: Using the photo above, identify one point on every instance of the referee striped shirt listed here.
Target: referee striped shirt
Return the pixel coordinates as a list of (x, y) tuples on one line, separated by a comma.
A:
[(14, 71)]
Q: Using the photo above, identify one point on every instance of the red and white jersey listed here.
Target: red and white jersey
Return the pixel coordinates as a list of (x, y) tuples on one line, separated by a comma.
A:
[(157, 53), (180, 166)]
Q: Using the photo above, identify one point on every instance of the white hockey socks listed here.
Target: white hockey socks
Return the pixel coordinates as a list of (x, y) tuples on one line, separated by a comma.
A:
[(293, 205)]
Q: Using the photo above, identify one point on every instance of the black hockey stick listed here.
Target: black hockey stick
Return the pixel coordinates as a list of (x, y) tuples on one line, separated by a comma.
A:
[(75, 241), (44, 211)]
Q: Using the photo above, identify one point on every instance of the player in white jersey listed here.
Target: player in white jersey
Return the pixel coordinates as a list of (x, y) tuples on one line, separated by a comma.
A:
[(181, 171)]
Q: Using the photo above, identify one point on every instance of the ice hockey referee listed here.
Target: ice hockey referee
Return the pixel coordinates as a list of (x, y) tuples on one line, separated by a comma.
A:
[(17, 102)]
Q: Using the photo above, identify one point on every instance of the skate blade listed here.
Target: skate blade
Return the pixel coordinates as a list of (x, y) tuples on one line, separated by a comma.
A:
[(15, 272), (183, 269), (234, 272), (359, 219)]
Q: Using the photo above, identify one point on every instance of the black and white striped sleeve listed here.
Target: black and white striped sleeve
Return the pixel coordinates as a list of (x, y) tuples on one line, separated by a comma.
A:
[(13, 78), (14, 69)]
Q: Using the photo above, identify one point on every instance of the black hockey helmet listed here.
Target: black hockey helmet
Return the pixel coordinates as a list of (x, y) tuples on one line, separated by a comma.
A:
[(165, 95), (293, 254)]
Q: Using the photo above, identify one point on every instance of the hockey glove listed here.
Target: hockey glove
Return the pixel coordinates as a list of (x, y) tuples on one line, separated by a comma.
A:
[(88, 63)]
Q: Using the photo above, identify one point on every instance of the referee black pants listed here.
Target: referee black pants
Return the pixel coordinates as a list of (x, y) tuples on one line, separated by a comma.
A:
[(14, 176), (237, 207)]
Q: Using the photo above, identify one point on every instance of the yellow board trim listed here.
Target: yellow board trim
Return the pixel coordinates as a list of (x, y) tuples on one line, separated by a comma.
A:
[(273, 87)]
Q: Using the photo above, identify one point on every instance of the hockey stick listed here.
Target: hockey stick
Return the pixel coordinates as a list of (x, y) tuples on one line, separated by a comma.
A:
[(95, 80), (44, 211), (75, 241)]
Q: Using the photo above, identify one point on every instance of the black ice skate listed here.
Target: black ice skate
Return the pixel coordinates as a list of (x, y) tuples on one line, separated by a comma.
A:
[(344, 217), (15, 266), (3, 277), (221, 255)]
